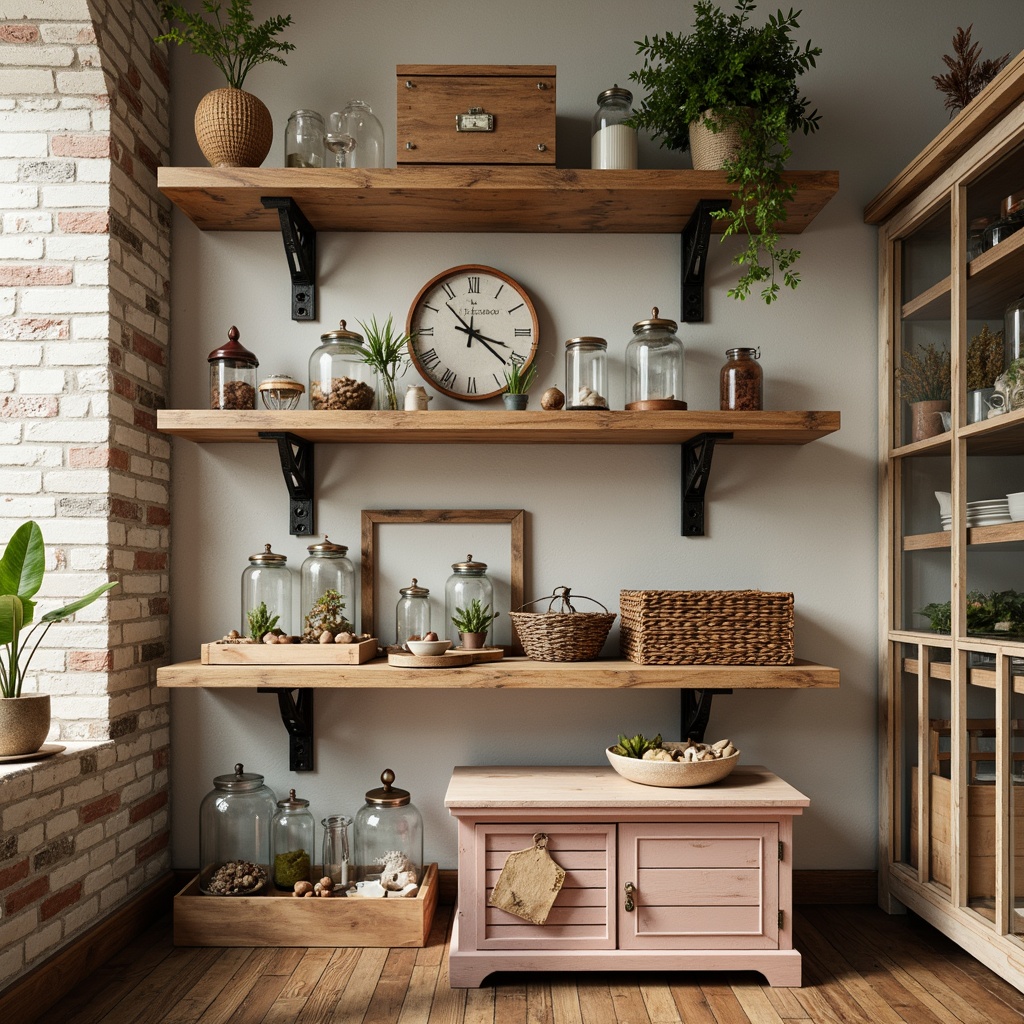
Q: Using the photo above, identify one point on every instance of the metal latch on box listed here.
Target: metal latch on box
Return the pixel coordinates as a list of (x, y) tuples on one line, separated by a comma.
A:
[(475, 120)]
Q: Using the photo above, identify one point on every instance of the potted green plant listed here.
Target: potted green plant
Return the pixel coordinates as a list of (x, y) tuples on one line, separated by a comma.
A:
[(387, 351), (473, 623), (736, 81), (517, 383), (25, 718), (924, 383), (985, 361), (233, 127)]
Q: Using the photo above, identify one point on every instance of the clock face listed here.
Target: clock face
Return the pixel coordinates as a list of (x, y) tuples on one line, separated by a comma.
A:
[(470, 325)]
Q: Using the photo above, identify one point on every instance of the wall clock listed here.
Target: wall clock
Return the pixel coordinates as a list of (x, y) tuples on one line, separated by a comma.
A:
[(471, 324)]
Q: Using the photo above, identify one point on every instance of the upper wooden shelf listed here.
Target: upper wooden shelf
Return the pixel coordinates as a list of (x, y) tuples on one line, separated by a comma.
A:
[(493, 199)]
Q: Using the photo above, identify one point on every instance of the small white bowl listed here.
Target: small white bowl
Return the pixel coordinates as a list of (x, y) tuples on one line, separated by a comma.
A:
[(428, 648), (1016, 503), (675, 774)]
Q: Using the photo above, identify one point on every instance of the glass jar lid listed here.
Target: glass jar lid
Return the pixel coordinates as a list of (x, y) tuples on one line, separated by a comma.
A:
[(469, 567), (240, 782), (342, 334), (326, 549), (586, 342), (293, 803), (746, 353), (414, 590), (281, 382), (388, 795), (655, 322), (615, 93), (234, 352), (268, 557)]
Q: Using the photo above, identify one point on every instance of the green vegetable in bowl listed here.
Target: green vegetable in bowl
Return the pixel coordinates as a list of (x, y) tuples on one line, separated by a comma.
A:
[(635, 747)]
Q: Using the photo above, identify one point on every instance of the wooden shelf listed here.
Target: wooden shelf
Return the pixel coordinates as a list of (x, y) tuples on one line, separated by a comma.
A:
[(510, 673), (976, 535), (491, 199)]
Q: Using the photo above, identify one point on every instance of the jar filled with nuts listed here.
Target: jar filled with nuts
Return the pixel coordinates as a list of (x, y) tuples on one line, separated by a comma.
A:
[(232, 375), (741, 380), (339, 378)]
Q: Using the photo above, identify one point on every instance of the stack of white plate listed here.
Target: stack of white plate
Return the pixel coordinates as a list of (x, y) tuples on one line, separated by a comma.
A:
[(983, 513)]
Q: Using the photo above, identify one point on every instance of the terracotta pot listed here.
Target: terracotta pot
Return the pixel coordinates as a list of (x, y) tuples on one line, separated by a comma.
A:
[(711, 149), (233, 128), (24, 723), (473, 641), (925, 420)]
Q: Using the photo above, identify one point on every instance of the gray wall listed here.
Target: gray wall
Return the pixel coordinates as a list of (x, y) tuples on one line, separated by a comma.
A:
[(801, 519)]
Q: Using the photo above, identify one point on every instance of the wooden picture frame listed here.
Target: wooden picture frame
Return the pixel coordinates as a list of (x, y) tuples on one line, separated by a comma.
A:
[(372, 518)]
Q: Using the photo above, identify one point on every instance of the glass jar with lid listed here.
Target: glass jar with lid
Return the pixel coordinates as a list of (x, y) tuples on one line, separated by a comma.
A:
[(339, 377), (280, 391), (612, 141), (741, 380), (586, 373), (291, 842), (267, 581), (304, 139), (326, 568), (654, 365), (468, 582), (355, 137), (234, 835), (388, 832), (412, 613), (232, 375)]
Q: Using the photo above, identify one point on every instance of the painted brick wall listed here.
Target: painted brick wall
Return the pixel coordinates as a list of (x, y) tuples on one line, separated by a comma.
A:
[(84, 264)]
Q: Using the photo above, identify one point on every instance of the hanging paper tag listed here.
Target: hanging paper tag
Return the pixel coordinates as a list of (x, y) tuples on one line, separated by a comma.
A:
[(529, 882)]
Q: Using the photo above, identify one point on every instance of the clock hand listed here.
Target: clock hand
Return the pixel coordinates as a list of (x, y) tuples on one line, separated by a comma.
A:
[(482, 337), (459, 318), (468, 328)]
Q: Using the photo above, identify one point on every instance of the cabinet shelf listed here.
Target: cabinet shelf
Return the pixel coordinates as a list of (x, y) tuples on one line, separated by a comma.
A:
[(976, 535)]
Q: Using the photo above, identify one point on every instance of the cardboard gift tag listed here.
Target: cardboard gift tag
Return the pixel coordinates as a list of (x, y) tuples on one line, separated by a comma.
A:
[(529, 882)]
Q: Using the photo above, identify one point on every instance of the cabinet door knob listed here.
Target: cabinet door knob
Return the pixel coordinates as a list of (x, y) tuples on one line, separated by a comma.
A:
[(629, 905)]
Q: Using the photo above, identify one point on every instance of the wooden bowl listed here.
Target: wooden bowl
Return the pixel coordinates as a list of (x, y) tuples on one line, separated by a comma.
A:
[(673, 774)]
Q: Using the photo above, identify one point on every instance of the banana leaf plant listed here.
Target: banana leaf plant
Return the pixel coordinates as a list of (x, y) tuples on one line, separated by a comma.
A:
[(21, 575)]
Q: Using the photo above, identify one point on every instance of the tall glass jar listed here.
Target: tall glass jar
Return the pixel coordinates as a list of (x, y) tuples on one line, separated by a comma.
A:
[(586, 372), (234, 835), (468, 582), (292, 834), (612, 142), (304, 139), (232, 375), (388, 823), (741, 380), (355, 137), (654, 365), (412, 613), (337, 862), (267, 581), (339, 378), (327, 568), (1013, 330)]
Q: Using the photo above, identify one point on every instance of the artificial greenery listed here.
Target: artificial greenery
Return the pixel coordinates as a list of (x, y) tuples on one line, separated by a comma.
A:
[(1001, 611), (925, 375), (236, 45), (21, 575), (261, 621), (635, 746), (729, 72), (387, 351), (985, 359), (968, 73), (516, 381), (327, 613), (477, 618)]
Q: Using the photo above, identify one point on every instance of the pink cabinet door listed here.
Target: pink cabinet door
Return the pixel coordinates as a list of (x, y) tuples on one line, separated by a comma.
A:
[(699, 885)]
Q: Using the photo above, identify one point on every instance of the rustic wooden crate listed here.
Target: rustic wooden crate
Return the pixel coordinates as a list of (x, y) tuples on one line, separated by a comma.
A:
[(279, 919), (289, 654), (520, 96)]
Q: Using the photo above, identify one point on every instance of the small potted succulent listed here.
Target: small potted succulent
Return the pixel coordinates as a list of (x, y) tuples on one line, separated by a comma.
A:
[(387, 352), (517, 383), (924, 383), (473, 623)]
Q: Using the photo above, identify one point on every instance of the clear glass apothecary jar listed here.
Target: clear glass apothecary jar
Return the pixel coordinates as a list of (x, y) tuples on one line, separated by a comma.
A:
[(412, 613), (327, 568), (234, 835), (741, 380), (586, 373), (304, 139), (232, 375), (388, 823), (267, 581), (339, 377), (612, 141), (355, 137), (292, 833), (467, 584), (654, 365), (280, 391), (337, 862)]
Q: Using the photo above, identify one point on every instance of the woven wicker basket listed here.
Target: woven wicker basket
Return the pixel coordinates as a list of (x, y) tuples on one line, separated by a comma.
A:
[(566, 635), (709, 149), (706, 627)]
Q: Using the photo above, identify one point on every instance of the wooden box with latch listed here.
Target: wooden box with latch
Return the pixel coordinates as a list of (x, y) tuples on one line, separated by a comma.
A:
[(476, 114)]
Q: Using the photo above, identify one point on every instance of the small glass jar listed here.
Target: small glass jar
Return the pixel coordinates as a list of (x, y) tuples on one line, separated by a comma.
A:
[(387, 823), (292, 833), (304, 139), (586, 372), (412, 613), (612, 142), (234, 835), (337, 863), (339, 377), (355, 137), (468, 582), (281, 391), (654, 365), (232, 375), (327, 568), (741, 380), (267, 581)]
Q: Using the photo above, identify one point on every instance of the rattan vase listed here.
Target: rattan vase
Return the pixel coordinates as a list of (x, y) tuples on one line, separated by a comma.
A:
[(711, 149), (233, 128)]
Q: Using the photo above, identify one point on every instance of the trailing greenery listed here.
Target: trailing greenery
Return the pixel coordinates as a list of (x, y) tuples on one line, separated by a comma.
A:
[(517, 382), (1001, 611), (728, 72), (985, 359), (21, 574), (236, 45), (387, 352), (925, 375), (261, 621), (477, 618)]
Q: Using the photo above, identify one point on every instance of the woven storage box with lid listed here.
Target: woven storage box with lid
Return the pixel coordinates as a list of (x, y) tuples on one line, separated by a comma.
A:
[(706, 627), (566, 635)]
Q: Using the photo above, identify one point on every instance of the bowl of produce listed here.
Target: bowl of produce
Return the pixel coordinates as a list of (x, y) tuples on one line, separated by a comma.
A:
[(428, 648), (670, 763)]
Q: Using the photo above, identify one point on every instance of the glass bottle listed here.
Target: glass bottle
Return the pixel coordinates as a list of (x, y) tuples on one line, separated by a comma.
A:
[(412, 613), (336, 863), (327, 568), (234, 835), (612, 142), (339, 378), (232, 375), (654, 365), (267, 581), (586, 369), (741, 379), (292, 834), (304, 139), (387, 823), (468, 582), (355, 136), (1013, 330)]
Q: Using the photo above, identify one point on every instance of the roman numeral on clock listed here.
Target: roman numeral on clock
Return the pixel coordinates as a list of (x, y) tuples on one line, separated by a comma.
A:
[(474, 285), (448, 290), (426, 332), (448, 379), (429, 359), (524, 332), (471, 386)]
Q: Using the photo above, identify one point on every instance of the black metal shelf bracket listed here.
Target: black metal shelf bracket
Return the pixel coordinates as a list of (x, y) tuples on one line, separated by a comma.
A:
[(695, 712), (696, 468), (694, 240), (299, 237), (296, 455), (297, 715)]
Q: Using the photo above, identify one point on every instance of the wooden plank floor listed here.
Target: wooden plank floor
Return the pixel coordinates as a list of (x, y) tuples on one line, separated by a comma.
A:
[(860, 967)]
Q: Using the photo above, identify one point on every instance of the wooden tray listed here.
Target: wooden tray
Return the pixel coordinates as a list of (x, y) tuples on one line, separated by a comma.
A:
[(279, 919), (481, 654), (447, 660), (289, 654)]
